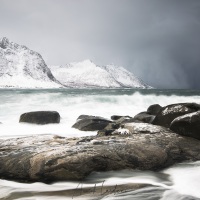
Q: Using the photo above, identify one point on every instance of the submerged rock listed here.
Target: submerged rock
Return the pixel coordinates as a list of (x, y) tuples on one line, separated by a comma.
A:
[(40, 117), (168, 113), (187, 125), (49, 158), (91, 123)]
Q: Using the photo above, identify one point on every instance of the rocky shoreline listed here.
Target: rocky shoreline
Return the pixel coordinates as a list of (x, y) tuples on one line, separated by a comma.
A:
[(152, 140)]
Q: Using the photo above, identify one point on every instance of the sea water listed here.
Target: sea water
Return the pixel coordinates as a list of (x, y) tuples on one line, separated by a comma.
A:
[(182, 181)]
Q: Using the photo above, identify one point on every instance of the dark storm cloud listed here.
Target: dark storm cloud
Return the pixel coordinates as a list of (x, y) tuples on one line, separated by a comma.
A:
[(158, 40)]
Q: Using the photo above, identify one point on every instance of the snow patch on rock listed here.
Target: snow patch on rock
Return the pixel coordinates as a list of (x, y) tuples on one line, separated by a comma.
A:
[(175, 109), (135, 128)]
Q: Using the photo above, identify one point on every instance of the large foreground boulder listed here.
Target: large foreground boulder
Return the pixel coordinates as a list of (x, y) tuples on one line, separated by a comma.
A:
[(187, 125), (168, 113), (91, 123), (49, 158), (40, 117)]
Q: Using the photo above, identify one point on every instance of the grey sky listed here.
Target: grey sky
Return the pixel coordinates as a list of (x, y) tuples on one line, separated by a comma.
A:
[(157, 40)]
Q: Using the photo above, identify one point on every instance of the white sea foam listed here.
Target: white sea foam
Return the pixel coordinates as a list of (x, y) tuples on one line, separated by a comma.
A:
[(176, 183), (181, 183), (70, 105), (186, 179)]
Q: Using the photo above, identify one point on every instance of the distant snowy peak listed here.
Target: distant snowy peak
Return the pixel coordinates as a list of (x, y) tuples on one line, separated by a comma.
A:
[(124, 77), (86, 74), (21, 67)]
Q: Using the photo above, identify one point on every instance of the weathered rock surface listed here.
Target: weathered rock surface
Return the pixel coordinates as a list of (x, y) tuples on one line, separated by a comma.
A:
[(132, 128), (143, 128), (168, 113), (40, 117), (144, 117), (91, 123), (187, 125), (50, 158), (154, 109)]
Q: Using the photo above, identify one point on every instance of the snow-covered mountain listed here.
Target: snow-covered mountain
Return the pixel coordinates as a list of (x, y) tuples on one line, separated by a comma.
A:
[(21, 67), (86, 74)]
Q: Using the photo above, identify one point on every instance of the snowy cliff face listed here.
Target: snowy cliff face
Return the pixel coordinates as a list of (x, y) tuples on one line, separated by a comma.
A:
[(21, 67), (87, 74)]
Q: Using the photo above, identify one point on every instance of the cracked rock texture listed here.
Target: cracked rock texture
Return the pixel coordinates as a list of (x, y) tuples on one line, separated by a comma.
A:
[(50, 158)]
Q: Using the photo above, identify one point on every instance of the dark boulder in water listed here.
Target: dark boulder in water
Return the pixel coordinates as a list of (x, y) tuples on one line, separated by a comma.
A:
[(91, 123), (154, 109), (168, 113), (187, 125), (40, 117)]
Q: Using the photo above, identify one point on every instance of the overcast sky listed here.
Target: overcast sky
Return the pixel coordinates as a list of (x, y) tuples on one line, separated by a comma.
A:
[(157, 40)]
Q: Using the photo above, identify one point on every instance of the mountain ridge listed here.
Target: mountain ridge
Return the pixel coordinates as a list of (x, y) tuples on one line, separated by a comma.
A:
[(21, 67), (86, 73)]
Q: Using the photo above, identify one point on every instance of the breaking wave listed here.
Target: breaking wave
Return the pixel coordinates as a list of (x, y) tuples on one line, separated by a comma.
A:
[(71, 103), (180, 182)]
